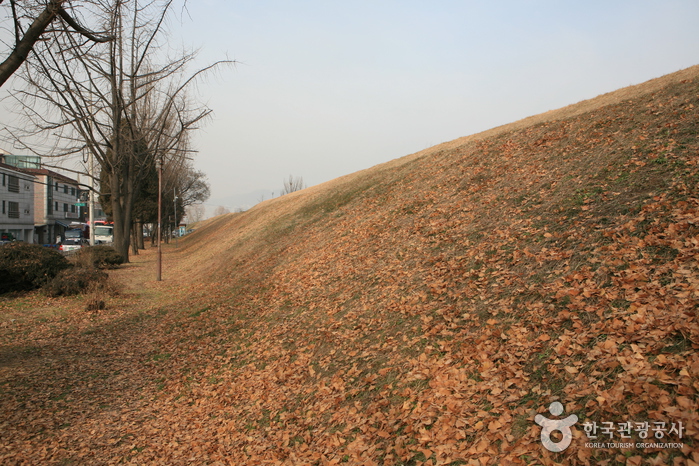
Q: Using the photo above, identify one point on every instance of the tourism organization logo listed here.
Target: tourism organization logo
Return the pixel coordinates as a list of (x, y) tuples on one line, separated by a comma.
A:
[(654, 434), (549, 426)]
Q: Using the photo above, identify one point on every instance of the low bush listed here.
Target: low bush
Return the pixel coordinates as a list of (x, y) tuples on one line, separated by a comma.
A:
[(26, 266), (74, 281), (101, 257)]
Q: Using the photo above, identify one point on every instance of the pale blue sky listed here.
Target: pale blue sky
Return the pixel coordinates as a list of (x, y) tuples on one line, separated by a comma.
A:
[(329, 88), (326, 88)]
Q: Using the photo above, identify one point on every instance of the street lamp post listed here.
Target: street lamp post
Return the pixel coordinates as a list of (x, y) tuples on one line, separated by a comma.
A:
[(92, 200), (159, 165), (176, 229)]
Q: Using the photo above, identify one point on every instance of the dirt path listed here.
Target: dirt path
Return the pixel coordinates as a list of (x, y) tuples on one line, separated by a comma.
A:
[(72, 382)]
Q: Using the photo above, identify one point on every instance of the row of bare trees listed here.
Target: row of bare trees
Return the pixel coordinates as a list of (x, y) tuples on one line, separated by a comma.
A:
[(183, 187), (123, 101)]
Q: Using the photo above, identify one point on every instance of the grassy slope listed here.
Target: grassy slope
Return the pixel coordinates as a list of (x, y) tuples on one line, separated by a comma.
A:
[(427, 309)]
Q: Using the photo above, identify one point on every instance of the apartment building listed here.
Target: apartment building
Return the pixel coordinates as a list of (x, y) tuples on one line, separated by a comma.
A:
[(55, 199), (48, 200), (16, 204)]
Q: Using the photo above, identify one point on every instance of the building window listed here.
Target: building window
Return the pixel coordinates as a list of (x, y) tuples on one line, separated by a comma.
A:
[(65, 207), (72, 191), (13, 184), (56, 207), (13, 209), (3, 207), (72, 209), (3, 179), (56, 185), (65, 189)]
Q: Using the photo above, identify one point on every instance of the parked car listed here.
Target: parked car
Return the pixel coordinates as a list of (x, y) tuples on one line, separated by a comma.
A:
[(73, 239), (70, 244)]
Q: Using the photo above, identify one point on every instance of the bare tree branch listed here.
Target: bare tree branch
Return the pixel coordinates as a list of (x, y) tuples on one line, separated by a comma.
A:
[(77, 27), (24, 43)]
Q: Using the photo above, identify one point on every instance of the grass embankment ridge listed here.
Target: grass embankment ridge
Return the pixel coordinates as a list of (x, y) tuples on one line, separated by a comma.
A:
[(423, 311)]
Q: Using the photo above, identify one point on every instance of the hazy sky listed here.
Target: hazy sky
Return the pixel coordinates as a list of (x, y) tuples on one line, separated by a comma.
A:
[(326, 88)]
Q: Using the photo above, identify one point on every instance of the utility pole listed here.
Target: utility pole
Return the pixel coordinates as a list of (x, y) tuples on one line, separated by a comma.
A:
[(91, 219), (159, 165), (176, 229)]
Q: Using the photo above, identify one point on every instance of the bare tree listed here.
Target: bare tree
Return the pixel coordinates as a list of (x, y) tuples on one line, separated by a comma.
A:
[(183, 186), (221, 210), (192, 188), (114, 101), (39, 15), (293, 184), (195, 213)]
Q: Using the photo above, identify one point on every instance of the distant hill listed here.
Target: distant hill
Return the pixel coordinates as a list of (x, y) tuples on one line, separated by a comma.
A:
[(240, 202)]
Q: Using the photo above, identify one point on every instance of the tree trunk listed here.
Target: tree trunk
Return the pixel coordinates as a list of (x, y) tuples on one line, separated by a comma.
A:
[(121, 214), (134, 239), (139, 235)]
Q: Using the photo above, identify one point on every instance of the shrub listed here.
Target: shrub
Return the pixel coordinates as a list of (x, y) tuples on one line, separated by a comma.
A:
[(99, 257), (94, 303), (74, 281), (26, 267)]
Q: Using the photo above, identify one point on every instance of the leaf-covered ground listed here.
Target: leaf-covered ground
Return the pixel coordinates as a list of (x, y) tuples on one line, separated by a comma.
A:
[(421, 312)]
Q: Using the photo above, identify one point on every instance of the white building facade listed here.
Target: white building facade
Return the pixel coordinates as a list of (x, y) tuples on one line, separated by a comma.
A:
[(16, 204), (55, 199)]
